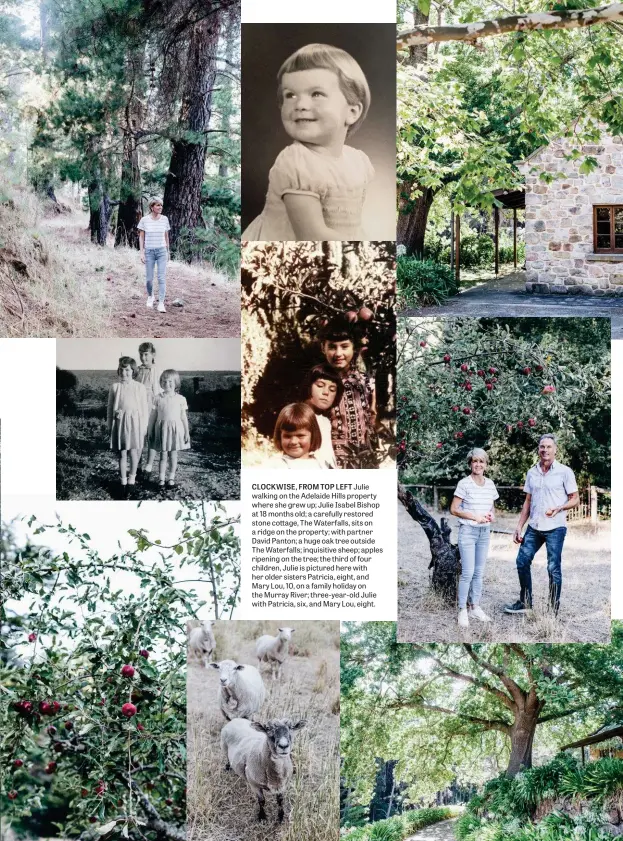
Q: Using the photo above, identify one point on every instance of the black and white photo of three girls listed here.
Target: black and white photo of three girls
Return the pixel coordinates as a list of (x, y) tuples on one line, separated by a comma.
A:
[(148, 419)]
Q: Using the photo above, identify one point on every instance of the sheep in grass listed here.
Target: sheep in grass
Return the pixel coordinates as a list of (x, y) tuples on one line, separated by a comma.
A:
[(274, 650), (201, 643), (261, 755), (241, 689)]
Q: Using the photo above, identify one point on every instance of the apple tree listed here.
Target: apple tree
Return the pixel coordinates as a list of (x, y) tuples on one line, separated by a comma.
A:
[(500, 385), (92, 667)]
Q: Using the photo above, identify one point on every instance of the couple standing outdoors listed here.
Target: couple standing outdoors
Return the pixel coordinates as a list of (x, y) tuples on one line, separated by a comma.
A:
[(551, 490)]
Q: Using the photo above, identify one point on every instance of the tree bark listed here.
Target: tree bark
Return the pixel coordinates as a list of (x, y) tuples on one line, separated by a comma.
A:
[(100, 208), (444, 555), (130, 210), (522, 739), (413, 217), (182, 192), (421, 36)]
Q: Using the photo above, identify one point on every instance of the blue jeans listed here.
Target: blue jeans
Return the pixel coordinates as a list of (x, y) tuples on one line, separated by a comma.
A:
[(532, 542), (473, 545), (157, 256)]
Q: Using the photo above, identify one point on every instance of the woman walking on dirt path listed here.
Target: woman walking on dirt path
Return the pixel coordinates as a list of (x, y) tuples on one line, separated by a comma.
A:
[(154, 244)]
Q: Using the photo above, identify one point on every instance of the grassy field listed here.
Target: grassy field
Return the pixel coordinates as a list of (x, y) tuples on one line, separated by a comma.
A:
[(220, 806), (584, 614), (87, 469)]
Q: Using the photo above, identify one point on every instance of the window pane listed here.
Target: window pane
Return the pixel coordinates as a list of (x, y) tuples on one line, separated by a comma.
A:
[(618, 220), (603, 228), (603, 213), (603, 242), (618, 241)]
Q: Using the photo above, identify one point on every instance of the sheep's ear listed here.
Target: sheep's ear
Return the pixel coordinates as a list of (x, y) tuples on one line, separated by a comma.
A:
[(213, 665), (297, 725), (292, 630), (280, 629), (257, 725), (241, 666)]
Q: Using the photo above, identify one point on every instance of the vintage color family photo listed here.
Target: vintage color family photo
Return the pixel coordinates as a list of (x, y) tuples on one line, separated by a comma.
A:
[(158, 419), (504, 471), (318, 338), (320, 151)]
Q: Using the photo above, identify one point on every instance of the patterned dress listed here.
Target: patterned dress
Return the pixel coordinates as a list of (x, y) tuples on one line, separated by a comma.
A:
[(127, 415), (150, 377), (351, 419)]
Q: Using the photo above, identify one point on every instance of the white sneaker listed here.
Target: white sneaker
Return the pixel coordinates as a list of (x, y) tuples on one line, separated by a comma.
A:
[(463, 619), (161, 306), (478, 613), (150, 301)]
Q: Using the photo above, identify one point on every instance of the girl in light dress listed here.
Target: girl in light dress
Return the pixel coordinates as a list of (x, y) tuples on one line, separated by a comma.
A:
[(317, 185), (298, 439), (149, 376), (324, 389), (168, 428), (127, 418)]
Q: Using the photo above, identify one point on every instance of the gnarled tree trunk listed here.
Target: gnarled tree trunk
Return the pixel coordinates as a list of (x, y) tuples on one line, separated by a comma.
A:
[(182, 192), (130, 212)]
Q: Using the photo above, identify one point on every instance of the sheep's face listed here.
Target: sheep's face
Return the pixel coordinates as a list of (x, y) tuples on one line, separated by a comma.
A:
[(286, 633), (228, 670), (279, 734)]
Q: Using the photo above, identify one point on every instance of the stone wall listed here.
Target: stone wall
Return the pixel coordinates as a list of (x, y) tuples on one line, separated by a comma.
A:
[(559, 219)]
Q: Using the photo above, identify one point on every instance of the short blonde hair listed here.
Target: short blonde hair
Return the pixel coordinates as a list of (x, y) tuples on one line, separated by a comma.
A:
[(477, 452), (153, 202), (351, 78), (170, 372)]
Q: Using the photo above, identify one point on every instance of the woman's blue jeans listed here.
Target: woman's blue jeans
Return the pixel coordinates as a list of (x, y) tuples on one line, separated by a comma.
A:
[(473, 547), (153, 257)]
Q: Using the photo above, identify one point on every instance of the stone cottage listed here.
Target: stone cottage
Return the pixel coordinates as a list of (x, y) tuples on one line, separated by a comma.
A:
[(574, 225)]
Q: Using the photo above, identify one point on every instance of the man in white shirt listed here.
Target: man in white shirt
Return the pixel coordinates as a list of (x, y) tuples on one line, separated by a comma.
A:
[(550, 490)]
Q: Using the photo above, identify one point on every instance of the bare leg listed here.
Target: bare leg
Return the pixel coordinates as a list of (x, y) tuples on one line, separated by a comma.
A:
[(173, 455), (151, 457), (133, 466), (123, 466), (163, 467)]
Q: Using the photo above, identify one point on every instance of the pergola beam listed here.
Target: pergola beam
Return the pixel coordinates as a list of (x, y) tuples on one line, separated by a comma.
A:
[(420, 36)]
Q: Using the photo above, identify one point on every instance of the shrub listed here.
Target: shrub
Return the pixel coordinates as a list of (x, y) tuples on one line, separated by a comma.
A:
[(424, 282), (476, 250), (390, 830), (466, 825)]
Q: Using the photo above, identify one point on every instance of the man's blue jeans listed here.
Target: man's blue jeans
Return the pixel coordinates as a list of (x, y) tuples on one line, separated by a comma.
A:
[(532, 542), (153, 257)]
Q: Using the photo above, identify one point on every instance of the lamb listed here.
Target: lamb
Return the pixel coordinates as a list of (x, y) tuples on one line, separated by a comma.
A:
[(261, 754), (274, 650), (201, 642), (241, 691)]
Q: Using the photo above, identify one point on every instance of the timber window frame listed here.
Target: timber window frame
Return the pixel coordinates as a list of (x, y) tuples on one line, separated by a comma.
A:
[(608, 225)]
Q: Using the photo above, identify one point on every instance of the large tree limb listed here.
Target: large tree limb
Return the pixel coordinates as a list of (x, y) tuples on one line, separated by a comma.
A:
[(570, 711), (486, 723), (535, 21), (516, 692)]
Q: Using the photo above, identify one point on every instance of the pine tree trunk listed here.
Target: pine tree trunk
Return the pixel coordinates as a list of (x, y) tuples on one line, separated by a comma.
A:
[(130, 211), (227, 108), (100, 211), (182, 192)]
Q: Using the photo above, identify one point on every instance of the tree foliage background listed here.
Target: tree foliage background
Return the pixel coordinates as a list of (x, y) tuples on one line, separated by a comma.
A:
[(75, 759), (494, 392)]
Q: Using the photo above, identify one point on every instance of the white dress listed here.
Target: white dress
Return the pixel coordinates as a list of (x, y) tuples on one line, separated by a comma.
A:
[(325, 454), (282, 460), (127, 415), (338, 183), (166, 427)]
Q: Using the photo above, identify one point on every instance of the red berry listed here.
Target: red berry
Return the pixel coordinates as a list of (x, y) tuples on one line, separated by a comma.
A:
[(127, 671), (531, 422), (144, 653), (128, 710), (489, 386), (467, 411), (422, 344), (12, 795), (464, 367), (447, 358), (526, 370), (32, 637), (17, 763)]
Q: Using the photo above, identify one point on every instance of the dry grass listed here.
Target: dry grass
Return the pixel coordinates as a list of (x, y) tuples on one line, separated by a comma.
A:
[(585, 604), (70, 287), (220, 806)]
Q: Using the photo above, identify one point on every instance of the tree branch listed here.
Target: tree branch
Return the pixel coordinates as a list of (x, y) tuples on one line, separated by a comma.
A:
[(515, 690), (535, 21), (571, 711), (487, 723)]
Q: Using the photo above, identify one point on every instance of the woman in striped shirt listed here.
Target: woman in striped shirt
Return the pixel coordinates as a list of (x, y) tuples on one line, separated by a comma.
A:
[(154, 243), (474, 504)]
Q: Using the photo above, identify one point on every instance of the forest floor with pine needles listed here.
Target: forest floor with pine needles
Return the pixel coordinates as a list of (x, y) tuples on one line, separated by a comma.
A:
[(584, 614)]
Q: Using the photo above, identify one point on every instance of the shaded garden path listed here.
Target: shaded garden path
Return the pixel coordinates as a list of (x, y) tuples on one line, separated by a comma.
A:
[(443, 831), (211, 301), (506, 296)]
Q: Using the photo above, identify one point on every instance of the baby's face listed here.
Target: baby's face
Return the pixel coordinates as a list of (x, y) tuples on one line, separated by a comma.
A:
[(314, 109)]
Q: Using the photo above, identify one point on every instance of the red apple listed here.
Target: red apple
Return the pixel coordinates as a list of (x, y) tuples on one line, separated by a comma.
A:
[(69, 725), (480, 372), (12, 795), (59, 747), (458, 434), (168, 801), (32, 637), (548, 389), (531, 422), (140, 727), (50, 768), (92, 819), (455, 408), (467, 411), (144, 653), (538, 368), (440, 445), (493, 370), (351, 316), (128, 710), (51, 730), (422, 344), (365, 314), (84, 792), (45, 708), (464, 367), (519, 424), (127, 671), (526, 370), (468, 386), (55, 707), (509, 427), (17, 763), (447, 358), (489, 386)]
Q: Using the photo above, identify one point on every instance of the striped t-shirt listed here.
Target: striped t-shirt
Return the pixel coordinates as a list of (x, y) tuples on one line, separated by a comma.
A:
[(154, 230), (476, 499)]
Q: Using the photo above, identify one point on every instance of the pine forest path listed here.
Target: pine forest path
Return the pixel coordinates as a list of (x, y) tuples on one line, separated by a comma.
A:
[(506, 296), (211, 301), (443, 831)]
